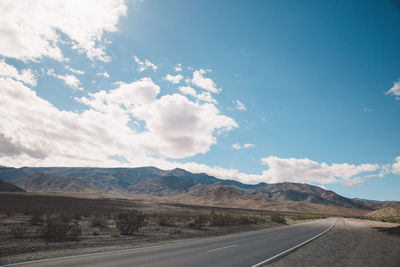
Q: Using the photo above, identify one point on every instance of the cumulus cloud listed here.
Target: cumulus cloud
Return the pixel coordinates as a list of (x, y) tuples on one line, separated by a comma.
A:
[(308, 171), (240, 106), (68, 79), (26, 76), (178, 67), (30, 30), (34, 132), (395, 90), (104, 74), (396, 166), (206, 97), (203, 97), (205, 83), (182, 127), (248, 145), (79, 72), (174, 79), (187, 90), (237, 146), (144, 65)]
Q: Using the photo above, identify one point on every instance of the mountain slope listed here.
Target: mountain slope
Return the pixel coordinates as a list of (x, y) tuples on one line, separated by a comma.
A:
[(309, 193), (43, 182), (7, 187), (176, 184), (389, 211)]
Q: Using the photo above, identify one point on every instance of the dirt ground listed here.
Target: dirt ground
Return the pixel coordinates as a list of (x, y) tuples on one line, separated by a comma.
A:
[(350, 243)]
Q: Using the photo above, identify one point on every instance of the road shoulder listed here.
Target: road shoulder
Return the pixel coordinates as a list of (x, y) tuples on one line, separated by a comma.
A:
[(350, 243)]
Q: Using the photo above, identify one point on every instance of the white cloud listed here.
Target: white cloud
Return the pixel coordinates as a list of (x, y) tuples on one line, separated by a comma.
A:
[(35, 133), (240, 106), (248, 145), (178, 67), (80, 72), (237, 146), (182, 127), (205, 83), (30, 30), (104, 74), (143, 65), (26, 76), (308, 171), (395, 90), (396, 166), (187, 90), (68, 79), (203, 97), (174, 79), (206, 97)]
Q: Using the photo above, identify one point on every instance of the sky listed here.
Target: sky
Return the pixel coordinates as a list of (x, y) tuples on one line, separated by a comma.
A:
[(259, 91)]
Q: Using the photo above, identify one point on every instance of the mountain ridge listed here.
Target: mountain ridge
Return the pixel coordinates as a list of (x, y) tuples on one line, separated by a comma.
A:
[(175, 184)]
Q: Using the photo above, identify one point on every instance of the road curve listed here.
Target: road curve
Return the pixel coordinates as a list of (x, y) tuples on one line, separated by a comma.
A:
[(244, 249)]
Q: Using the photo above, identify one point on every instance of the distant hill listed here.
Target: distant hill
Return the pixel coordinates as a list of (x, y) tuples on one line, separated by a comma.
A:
[(181, 186), (309, 193), (7, 187), (371, 201), (389, 212)]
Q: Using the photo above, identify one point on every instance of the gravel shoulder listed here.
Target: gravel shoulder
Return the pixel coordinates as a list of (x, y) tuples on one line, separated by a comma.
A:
[(350, 243)]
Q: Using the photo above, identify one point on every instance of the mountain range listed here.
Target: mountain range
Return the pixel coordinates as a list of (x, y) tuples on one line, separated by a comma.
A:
[(179, 185)]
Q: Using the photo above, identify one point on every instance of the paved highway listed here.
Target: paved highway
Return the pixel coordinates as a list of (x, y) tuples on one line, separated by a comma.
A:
[(244, 249)]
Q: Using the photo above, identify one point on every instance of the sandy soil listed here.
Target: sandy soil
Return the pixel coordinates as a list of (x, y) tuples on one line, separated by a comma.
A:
[(350, 243)]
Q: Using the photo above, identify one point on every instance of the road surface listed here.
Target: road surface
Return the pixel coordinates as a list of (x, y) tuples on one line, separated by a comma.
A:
[(244, 249)]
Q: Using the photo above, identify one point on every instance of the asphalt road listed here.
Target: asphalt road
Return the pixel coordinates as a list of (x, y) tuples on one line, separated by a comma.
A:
[(244, 249)]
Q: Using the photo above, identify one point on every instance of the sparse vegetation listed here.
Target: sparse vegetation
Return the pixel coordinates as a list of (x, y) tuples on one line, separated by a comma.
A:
[(391, 220), (18, 230), (303, 217), (278, 219), (200, 221), (163, 220), (36, 219), (100, 221), (129, 222), (57, 229), (82, 222)]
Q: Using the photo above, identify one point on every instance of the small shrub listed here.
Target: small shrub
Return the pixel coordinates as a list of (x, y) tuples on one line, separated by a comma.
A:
[(8, 212), (129, 222), (36, 219), (57, 229), (278, 219), (163, 220), (220, 219), (199, 221), (100, 221), (18, 230), (66, 217)]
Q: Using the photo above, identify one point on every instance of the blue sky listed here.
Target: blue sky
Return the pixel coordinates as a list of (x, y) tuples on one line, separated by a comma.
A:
[(255, 91)]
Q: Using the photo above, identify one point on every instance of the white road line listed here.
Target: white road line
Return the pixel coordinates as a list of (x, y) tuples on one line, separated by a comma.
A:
[(292, 249), (216, 249)]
